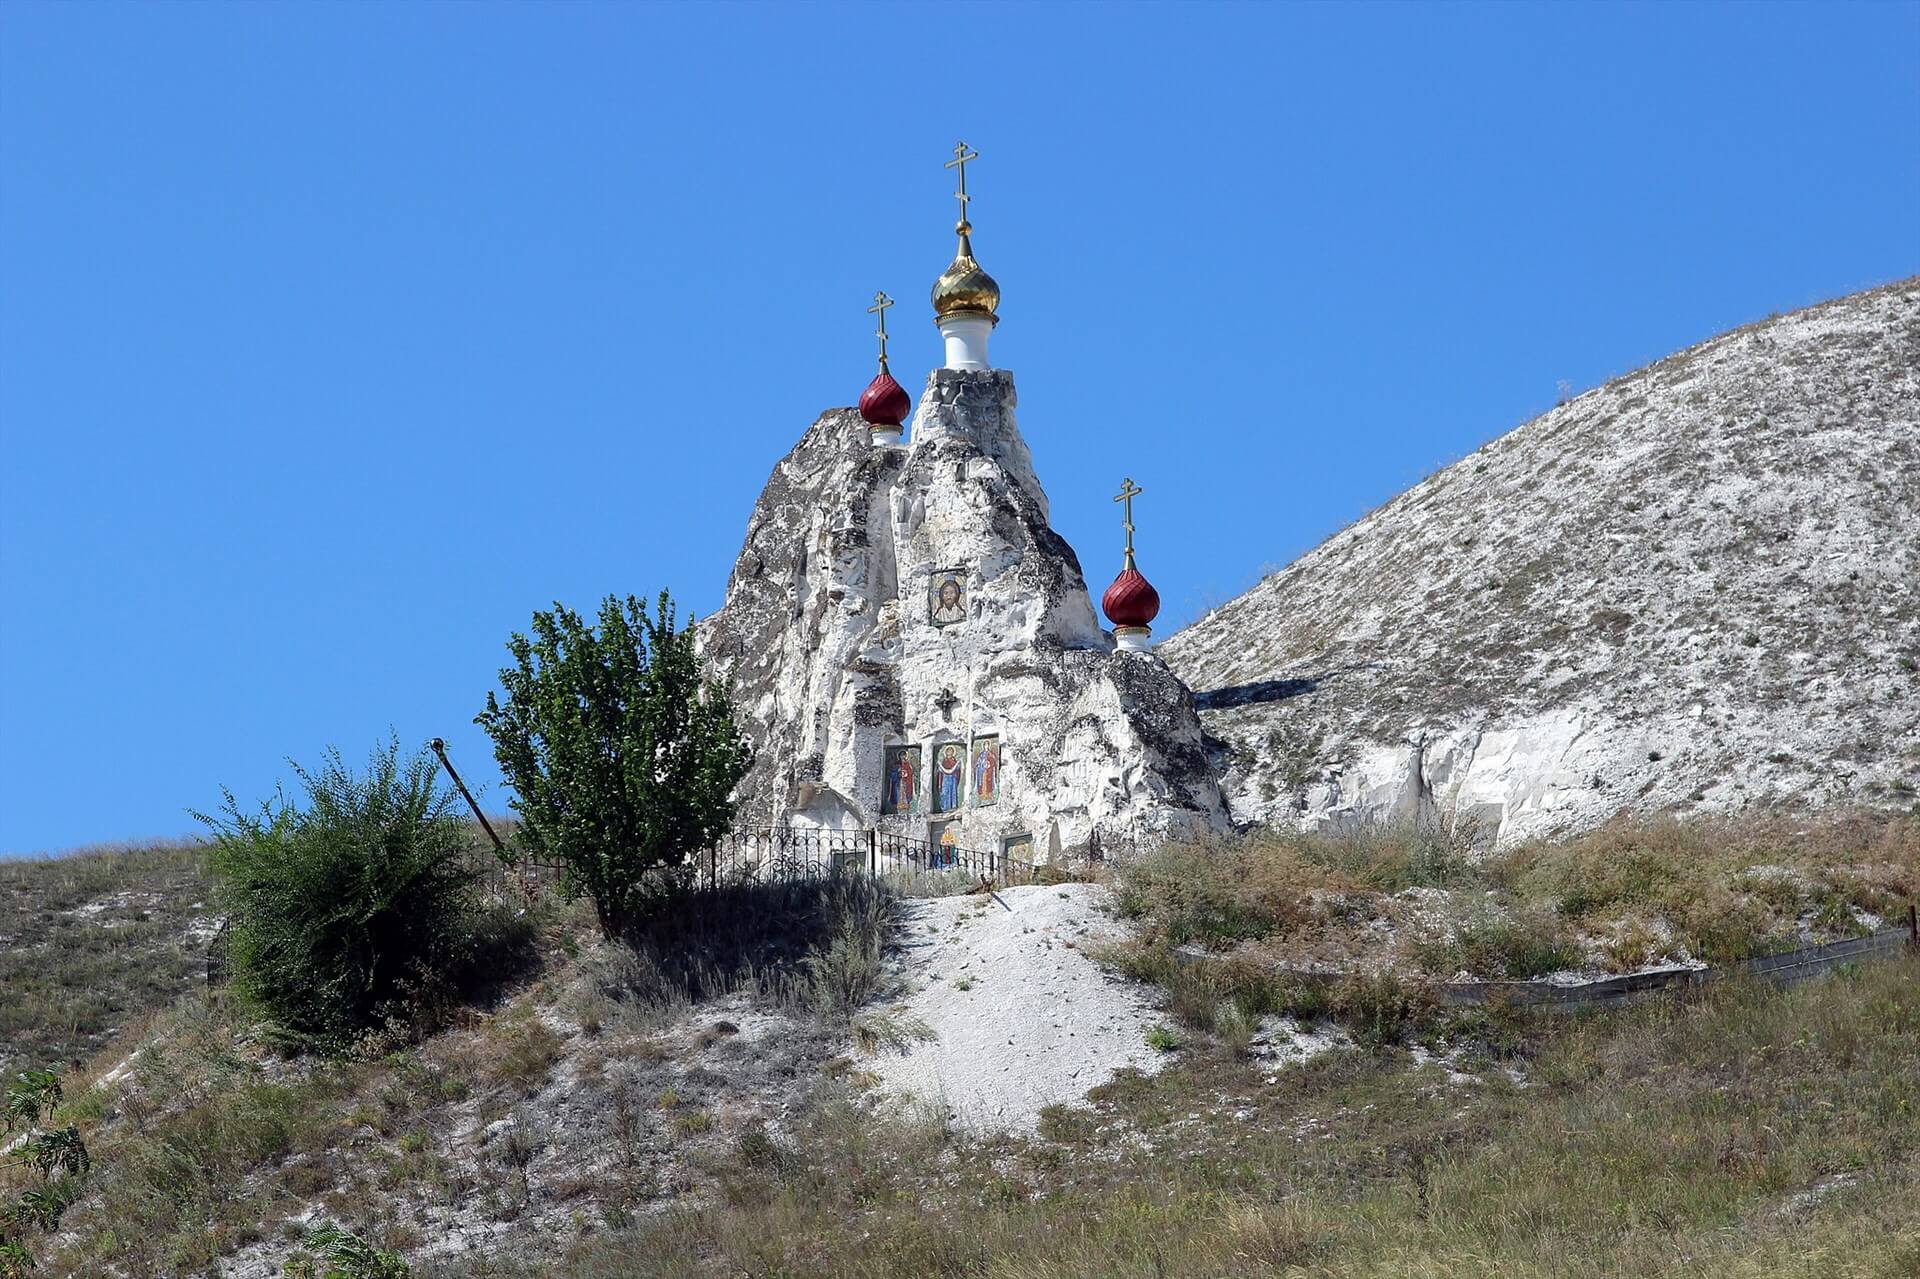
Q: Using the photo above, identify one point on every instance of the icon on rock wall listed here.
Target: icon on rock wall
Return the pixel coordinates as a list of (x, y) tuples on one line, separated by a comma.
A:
[(947, 598), (902, 782), (949, 760), (1018, 848), (943, 845), (986, 770)]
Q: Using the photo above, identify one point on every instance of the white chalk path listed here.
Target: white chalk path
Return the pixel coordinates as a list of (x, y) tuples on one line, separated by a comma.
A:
[(1022, 1019)]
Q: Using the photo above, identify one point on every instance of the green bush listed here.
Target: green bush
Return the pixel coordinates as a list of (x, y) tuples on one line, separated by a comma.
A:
[(343, 912), (623, 759), (333, 1253)]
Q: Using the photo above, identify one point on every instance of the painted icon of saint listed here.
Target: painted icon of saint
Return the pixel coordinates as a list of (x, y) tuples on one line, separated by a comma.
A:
[(986, 769), (948, 600), (901, 778), (946, 778), (949, 843)]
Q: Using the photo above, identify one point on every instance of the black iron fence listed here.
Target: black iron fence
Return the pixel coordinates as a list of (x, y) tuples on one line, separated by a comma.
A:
[(788, 852), (791, 852)]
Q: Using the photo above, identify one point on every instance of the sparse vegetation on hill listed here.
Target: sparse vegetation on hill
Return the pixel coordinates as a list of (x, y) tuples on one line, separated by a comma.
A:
[(92, 942), (1629, 895), (1744, 1133)]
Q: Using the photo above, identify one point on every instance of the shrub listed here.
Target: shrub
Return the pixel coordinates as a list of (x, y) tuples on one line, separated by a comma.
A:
[(623, 759), (333, 1253), (1381, 1007), (343, 911), (54, 1160)]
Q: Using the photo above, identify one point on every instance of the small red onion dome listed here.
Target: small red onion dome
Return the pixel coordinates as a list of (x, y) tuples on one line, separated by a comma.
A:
[(884, 402), (1131, 600)]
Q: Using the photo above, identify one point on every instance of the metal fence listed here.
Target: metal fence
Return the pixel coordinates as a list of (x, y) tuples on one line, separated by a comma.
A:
[(784, 853), (789, 852)]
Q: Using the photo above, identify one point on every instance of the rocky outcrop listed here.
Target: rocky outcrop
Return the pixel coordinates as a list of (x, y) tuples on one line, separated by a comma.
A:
[(896, 601), (1696, 586)]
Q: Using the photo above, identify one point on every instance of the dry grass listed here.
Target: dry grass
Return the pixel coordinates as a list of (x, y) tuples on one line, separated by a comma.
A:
[(1742, 1133), (1631, 893), (92, 943)]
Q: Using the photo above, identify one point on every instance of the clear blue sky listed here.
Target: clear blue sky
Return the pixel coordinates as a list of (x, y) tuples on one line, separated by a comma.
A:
[(335, 339)]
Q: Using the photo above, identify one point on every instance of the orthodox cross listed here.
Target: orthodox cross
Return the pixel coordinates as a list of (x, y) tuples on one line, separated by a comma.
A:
[(880, 304), (960, 157), (1127, 493), (946, 702)]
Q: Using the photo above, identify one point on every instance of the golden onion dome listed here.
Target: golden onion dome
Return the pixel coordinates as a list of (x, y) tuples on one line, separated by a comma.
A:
[(964, 286)]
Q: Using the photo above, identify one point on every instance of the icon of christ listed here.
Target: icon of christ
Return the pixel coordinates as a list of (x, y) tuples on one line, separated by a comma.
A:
[(947, 599)]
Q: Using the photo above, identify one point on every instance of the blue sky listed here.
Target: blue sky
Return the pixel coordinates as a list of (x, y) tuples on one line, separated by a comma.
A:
[(335, 339)]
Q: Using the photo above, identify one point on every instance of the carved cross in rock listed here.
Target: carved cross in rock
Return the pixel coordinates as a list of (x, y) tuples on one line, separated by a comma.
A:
[(879, 308), (946, 702)]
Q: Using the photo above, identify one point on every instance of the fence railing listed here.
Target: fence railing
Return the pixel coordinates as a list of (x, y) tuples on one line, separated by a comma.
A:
[(782, 853), (806, 852)]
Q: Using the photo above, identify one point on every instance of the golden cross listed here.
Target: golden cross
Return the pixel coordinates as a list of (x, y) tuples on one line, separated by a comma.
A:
[(1127, 493), (960, 157), (880, 304)]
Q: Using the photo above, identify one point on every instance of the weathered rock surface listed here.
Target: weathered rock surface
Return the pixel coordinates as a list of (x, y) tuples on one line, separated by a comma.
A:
[(1698, 585), (830, 625)]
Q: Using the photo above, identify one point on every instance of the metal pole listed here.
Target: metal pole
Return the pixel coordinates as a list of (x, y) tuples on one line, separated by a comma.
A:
[(440, 749)]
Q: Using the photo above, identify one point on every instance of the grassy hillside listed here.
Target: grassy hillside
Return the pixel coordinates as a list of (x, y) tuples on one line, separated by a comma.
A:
[(597, 1117), (94, 942), (1748, 1133)]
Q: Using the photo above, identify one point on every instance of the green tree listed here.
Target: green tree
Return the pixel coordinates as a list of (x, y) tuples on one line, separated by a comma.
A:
[(622, 756), (344, 910)]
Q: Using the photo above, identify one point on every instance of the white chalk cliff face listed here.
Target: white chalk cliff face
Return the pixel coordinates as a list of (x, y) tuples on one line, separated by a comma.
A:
[(849, 656), (1696, 586)]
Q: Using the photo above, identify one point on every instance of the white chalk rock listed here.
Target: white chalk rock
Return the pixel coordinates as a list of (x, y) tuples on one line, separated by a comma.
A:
[(903, 600)]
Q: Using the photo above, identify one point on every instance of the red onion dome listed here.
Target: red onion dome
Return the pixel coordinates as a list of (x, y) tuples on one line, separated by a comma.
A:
[(884, 402), (1131, 600)]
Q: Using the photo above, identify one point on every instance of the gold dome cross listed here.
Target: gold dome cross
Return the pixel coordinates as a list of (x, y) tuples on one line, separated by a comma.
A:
[(960, 157)]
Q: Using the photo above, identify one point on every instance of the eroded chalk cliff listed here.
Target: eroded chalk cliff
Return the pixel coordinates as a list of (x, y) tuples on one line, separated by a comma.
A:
[(1696, 586)]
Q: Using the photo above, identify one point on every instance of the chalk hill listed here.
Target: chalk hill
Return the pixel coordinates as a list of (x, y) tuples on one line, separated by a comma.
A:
[(1698, 585)]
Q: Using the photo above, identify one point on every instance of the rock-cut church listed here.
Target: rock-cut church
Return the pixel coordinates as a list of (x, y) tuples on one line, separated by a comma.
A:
[(914, 648)]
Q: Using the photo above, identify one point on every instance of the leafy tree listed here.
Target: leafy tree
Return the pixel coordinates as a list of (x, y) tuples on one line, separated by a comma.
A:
[(342, 911), (623, 758), (56, 1159)]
